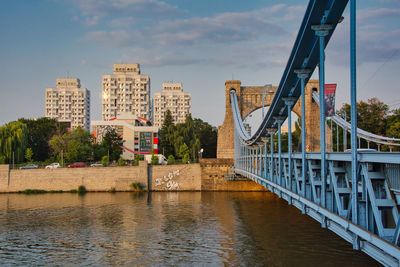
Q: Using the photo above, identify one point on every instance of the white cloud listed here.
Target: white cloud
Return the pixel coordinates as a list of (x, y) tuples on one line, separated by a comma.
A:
[(378, 13), (93, 11)]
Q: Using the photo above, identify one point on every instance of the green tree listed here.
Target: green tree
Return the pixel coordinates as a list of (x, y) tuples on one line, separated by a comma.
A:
[(13, 139), (28, 154), (76, 145), (393, 124), (166, 135), (195, 133), (40, 131), (171, 160), (121, 162), (104, 161), (185, 158), (183, 150), (137, 159), (112, 143), (207, 136), (154, 160), (371, 115)]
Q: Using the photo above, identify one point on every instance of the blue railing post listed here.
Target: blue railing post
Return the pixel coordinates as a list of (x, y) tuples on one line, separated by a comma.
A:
[(303, 74), (321, 31), (265, 158), (289, 102), (354, 175), (279, 121), (271, 132)]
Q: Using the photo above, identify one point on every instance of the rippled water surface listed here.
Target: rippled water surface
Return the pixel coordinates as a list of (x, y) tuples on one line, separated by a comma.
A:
[(165, 229)]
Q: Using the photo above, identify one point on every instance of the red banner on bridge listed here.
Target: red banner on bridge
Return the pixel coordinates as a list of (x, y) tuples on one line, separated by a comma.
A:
[(330, 93)]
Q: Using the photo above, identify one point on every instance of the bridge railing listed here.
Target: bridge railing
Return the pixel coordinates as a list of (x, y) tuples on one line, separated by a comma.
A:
[(377, 186)]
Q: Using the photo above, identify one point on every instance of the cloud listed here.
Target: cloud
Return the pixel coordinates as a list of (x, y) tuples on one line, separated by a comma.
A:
[(93, 11), (373, 43), (219, 40), (113, 39), (222, 28), (377, 13)]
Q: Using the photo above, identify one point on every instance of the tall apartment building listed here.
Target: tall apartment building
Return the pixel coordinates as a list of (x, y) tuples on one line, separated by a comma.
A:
[(68, 102), (173, 98), (126, 91)]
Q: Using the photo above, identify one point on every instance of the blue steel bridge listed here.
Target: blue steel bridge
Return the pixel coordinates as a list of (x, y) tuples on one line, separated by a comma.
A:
[(353, 193)]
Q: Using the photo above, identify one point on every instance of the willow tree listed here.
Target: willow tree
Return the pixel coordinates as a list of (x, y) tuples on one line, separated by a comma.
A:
[(13, 139)]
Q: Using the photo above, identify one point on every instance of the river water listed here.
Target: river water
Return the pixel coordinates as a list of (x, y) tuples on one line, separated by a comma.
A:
[(165, 229)]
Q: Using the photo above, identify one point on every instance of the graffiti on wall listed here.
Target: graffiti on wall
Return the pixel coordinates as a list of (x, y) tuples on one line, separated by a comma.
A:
[(168, 181)]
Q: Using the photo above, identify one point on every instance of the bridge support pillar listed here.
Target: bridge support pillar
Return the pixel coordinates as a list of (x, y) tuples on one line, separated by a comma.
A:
[(321, 31), (303, 74), (289, 102), (279, 121)]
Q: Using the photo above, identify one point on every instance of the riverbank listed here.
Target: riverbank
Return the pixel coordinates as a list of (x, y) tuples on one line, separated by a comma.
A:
[(208, 175)]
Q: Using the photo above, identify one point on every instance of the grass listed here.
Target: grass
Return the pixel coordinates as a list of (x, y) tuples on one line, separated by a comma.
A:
[(81, 190), (32, 191), (137, 187)]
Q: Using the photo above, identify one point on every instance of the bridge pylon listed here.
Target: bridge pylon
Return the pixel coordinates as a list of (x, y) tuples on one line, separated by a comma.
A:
[(250, 98)]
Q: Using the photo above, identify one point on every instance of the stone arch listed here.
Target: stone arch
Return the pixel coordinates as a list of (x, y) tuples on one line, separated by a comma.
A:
[(250, 99)]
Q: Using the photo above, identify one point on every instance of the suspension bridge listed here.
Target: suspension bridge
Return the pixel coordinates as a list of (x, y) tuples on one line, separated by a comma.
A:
[(353, 192)]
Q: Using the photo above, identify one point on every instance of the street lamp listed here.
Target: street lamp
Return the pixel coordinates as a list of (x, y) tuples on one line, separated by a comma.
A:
[(201, 153)]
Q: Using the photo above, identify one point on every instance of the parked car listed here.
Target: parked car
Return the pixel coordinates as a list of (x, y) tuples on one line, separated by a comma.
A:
[(76, 165), (54, 165), (96, 165), (29, 166)]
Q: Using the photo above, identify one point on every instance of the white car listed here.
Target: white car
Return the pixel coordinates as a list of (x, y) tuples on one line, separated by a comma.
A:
[(54, 165)]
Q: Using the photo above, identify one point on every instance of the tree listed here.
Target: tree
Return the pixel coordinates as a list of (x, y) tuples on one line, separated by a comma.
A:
[(76, 145), (171, 160), (393, 124), (104, 161), (371, 116), (207, 136), (137, 159), (13, 139), (166, 135), (183, 150), (121, 162), (185, 158), (112, 143), (154, 160), (195, 133), (28, 154), (40, 131)]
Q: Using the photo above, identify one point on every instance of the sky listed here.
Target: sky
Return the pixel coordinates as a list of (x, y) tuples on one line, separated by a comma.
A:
[(199, 43)]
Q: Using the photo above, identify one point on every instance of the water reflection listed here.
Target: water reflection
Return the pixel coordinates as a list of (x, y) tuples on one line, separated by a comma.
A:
[(186, 228)]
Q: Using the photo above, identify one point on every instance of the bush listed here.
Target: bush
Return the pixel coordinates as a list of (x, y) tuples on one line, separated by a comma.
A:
[(185, 158), (32, 191), (105, 160), (137, 187), (154, 160), (121, 162), (137, 159), (81, 189), (171, 160)]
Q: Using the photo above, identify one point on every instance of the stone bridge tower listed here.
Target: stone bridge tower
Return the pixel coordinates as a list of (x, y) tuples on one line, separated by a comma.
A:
[(250, 99)]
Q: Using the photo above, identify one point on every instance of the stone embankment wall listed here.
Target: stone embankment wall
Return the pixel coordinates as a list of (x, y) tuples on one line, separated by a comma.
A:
[(94, 179), (206, 176), (212, 177)]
